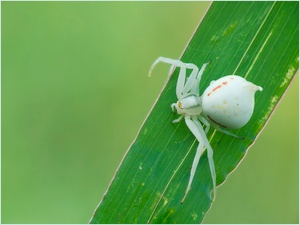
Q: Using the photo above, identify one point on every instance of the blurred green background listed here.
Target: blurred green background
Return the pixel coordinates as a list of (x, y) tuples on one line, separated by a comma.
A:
[(75, 93)]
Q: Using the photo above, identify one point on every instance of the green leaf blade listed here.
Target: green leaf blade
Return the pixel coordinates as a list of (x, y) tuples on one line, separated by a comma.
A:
[(259, 41)]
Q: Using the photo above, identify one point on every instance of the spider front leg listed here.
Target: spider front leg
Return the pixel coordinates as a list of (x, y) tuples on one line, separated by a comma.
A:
[(195, 84), (197, 129), (183, 86), (166, 60), (191, 86), (173, 107)]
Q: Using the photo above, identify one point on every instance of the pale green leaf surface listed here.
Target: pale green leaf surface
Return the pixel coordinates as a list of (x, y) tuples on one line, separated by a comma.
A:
[(256, 40)]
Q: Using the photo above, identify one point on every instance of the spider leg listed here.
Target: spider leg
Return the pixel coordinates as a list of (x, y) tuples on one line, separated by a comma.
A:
[(173, 107), (205, 122), (195, 87), (197, 129), (209, 156), (227, 132), (173, 62), (178, 119), (180, 82), (191, 81), (181, 88), (199, 152)]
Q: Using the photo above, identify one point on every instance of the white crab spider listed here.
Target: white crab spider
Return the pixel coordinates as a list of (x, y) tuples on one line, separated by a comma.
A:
[(226, 103)]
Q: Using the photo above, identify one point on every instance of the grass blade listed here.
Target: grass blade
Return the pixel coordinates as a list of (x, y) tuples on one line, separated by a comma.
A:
[(256, 40)]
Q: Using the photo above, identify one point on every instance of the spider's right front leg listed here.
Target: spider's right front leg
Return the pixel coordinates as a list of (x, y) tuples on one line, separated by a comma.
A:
[(172, 62), (193, 82), (183, 86)]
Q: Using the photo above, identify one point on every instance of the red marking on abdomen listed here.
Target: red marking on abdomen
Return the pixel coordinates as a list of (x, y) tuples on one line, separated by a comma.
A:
[(221, 125), (219, 86)]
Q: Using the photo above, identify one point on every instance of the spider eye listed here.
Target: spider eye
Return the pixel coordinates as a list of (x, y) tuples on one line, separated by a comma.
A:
[(179, 104)]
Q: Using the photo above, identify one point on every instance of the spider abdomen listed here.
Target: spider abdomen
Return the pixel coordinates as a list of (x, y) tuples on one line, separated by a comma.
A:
[(229, 101)]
